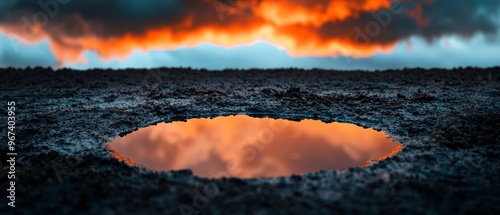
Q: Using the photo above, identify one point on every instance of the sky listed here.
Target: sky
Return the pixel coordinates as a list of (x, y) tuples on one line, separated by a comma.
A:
[(220, 34)]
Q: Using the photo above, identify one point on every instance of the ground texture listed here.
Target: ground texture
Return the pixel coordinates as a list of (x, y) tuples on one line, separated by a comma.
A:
[(448, 121)]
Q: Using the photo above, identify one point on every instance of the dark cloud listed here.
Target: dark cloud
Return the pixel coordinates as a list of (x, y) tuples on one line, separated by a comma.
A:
[(312, 27), (107, 17)]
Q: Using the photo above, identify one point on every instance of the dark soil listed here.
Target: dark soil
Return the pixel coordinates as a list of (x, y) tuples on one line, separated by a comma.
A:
[(448, 121)]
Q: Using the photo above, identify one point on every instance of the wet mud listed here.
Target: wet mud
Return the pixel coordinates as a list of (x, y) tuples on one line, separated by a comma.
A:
[(447, 120)]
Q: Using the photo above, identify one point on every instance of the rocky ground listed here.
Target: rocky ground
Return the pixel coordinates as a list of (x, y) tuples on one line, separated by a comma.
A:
[(448, 121)]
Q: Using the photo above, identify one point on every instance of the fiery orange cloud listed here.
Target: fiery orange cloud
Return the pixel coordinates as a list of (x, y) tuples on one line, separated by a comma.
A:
[(314, 13), (302, 27)]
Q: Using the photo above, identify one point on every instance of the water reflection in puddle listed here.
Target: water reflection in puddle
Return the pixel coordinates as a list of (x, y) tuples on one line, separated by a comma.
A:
[(246, 147)]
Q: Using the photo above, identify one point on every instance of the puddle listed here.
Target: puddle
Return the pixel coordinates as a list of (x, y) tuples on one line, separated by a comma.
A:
[(245, 147)]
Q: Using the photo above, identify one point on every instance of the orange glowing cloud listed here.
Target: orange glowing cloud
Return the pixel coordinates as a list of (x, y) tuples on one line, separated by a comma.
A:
[(323, 28)]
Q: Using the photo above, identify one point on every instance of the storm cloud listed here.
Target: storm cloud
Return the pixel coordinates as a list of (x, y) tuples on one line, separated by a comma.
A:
[(319, 28)]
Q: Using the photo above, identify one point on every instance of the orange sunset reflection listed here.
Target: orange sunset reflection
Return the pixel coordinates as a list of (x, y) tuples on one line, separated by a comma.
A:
[(246, 147)]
